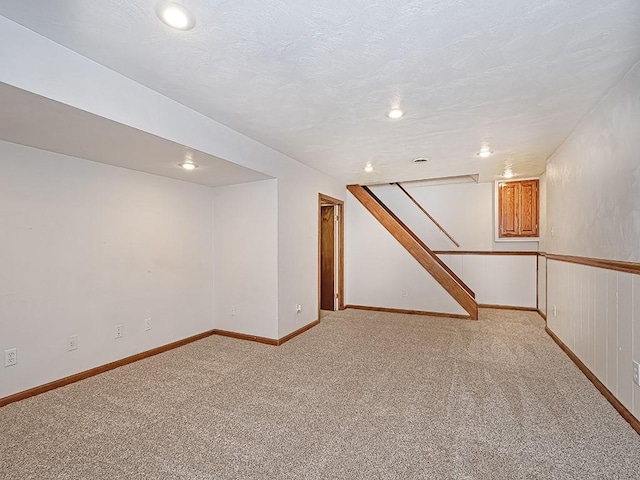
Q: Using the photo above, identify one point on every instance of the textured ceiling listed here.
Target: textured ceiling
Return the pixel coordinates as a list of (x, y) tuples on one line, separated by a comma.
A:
[(314, 79), (35, 121)]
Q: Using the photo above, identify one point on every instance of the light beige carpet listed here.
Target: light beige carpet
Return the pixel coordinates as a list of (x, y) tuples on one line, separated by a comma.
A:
[(363, 395)]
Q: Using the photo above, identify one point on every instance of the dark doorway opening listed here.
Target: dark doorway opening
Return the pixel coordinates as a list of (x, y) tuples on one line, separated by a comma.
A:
[(331, 253)]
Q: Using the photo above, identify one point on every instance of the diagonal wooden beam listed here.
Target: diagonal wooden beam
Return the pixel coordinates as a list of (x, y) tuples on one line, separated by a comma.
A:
[(418, 250), (419, 240)]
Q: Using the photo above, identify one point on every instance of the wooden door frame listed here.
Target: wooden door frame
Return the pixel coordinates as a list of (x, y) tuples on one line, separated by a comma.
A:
[(339, 204)]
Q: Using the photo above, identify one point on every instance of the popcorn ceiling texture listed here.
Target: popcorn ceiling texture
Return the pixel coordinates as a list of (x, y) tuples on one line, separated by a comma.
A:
[(315, 79), (593, 181)]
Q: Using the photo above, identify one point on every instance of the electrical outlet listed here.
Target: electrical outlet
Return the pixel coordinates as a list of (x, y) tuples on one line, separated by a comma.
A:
[(298, 308), (119, 331), (233, 310), (405, 294), (555, 310), (636, 373), (72, 343), (147, 324), (10, 357)]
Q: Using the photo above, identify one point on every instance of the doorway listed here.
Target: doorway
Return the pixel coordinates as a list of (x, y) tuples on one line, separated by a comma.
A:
[(330, 254)]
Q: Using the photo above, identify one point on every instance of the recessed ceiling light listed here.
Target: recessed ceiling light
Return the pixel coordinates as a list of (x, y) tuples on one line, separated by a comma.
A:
[(175, 15), (188, 165), (368, 167), (395, 114), (485, 151)]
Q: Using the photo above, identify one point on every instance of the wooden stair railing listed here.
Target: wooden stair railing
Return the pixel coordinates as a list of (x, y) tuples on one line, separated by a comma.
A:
[(418, 250), (419, 240), (422, 244), (429, 216)]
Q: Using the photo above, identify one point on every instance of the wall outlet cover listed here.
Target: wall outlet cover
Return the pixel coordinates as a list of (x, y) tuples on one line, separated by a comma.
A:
[(10, 357), (636, 373), (72, 343)]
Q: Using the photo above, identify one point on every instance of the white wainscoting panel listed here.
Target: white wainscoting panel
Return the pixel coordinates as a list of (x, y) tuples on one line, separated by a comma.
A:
[(598, 318), (625, 339), (636, 340), (600, 327), (611, 380), (542, 284)]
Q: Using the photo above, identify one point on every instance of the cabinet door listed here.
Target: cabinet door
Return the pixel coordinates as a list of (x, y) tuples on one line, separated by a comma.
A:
[(528, 209), (518, 209), (508, 208)]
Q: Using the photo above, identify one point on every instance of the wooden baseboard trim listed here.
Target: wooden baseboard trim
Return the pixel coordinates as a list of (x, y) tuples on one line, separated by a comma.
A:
[(149, 353), (286, 338), (244, 336), (101, 369), (508, 307), (542, 314), (265, 340), (410, 312), (622, 410)]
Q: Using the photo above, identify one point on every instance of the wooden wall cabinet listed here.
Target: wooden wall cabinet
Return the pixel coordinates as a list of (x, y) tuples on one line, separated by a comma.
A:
[(518, 209)]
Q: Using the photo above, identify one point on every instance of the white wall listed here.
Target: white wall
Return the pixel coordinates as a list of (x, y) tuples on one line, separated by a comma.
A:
[(245, 239), (86, 246), (298, 191), (593, 206), (507, 280), (465, 210), (379, 269), (542, 193), (542, 261), (38, 65), (593, 181)]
